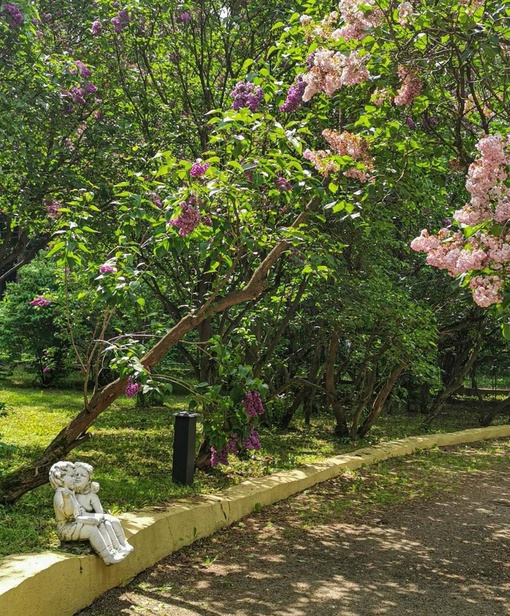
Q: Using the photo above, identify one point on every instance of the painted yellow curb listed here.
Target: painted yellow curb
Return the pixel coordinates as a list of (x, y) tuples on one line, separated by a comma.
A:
[(57, 584)]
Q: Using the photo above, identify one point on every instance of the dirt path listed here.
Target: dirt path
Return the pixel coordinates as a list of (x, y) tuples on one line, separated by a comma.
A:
[(446, 556)]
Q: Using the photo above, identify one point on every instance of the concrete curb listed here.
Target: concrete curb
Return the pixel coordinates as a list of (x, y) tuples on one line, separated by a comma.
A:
[(58, 584)]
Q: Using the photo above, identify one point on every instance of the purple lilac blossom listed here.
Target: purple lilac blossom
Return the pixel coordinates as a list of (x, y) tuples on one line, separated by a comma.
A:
[(132, 388), (294, 98), (106, 269), (232, 444), (184, 17), (247, 94), (121, 20), (253, 404), (253, 441), (40, 301), (46, 369), (219, 457), (77, 95), (282, 184), (96, 28), (90, 88), (198, 169), (84, 70), (310, 61), (155, 199), (188, 220), (16, 17)]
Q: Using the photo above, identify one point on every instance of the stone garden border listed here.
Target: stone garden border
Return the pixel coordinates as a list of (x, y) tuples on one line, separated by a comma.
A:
[(59, 584)]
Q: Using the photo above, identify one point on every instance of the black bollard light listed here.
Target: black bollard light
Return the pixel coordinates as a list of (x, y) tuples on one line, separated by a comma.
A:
[(185, 430)]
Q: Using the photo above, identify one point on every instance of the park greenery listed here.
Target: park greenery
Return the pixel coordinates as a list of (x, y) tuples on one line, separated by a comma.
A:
[(221, 198)]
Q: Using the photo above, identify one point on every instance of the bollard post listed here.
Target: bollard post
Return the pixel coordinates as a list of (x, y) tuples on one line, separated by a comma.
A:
[(185, 429)]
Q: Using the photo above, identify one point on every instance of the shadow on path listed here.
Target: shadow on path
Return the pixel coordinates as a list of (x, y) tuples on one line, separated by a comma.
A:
[(448, 556)]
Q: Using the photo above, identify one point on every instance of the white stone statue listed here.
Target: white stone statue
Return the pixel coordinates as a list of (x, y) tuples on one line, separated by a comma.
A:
[(81, 520)]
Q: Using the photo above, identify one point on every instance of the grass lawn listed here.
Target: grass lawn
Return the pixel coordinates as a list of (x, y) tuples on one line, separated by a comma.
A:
[(131, 450)]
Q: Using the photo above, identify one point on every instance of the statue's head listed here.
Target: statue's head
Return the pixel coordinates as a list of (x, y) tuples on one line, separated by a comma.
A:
[(82, 476), (61, 474)]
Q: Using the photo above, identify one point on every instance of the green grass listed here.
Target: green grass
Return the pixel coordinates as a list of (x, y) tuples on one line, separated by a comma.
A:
[(375, 490), (131, 450)]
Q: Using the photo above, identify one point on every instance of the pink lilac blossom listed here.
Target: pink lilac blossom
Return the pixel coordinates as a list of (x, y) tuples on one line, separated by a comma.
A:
[(188, 220), (359, 16), (253, 441), (322, 160), (410, 88), (357, 174), (253, 404), (348, 144), (486, 290), (247, 94), (219, 457), (40, 301), (332, 70), (198, 168), (132, 388), (46, 369), (405, 11)]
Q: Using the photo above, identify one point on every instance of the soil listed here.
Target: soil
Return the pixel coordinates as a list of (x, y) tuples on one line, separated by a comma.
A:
[(443, 556)]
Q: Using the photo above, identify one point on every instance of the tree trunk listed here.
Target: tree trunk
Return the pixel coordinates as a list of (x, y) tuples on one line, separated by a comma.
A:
[(20, 481), (500, 407), (463, 366), (341, 428), (380, 400)]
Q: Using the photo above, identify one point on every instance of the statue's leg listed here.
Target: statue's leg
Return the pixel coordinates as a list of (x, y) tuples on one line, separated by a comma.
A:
[(112, 534), (119, 532)]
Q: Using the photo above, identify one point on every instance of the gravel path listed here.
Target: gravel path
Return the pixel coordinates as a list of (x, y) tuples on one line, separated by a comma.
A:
[(446, 556)]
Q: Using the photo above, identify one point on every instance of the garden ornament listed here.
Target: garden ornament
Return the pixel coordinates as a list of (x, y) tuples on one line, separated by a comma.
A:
[(79, 513)]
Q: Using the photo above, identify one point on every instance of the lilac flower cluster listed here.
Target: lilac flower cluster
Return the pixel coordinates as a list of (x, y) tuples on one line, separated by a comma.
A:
[(253, 404), (198, 169), (121, 20), (107, 269), (184, 17), (282, 184), (188, 220), (132, 388), (40, 301), (82, 68), (294, 98), (96, 28), (14, 13), (219, 457), (53, 209), (46, 369), (247, 94), (253, 441), (155, 199), (232, 444)]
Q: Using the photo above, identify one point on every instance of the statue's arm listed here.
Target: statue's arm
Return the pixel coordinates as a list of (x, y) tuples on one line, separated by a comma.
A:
[(96, 504)]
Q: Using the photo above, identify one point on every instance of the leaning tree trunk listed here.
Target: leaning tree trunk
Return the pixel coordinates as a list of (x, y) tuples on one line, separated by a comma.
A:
[(380, 400), (464, 365), (500, 407), (20, 481)]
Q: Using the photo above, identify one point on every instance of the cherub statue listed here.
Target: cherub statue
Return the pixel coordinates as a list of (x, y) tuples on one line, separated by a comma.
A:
[(74, 523), (86, 494)]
